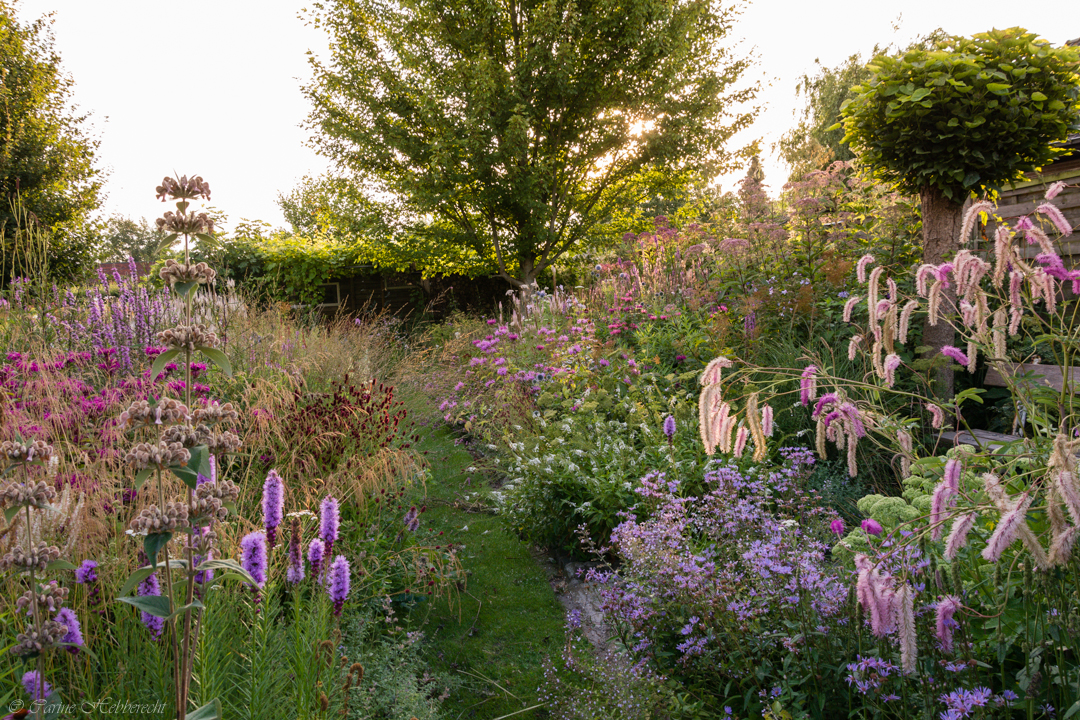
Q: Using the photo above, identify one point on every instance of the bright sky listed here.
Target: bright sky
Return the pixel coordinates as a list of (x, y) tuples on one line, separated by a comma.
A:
[(213, 86)]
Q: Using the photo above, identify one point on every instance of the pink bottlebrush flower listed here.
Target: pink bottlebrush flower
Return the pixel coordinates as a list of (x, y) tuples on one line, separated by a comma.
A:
[(892, 362), (316, 553), (329, 518), (1061, 546), (939, 503), (37, 688), (1051, 211), (714, 370), (740, 441), (837, 527), (905, 621), (953, 468), (849, 306), (273, 506), (922, 279), (983, 206), (860, 267), (883, 307), (958, 535), (883, 611), (1054, 190), (937, 416), (724, 435), (824, 401), (1016, 281), (1024, 223), (955, 353), (253, 557), (853, 346), (946, 610), (338, 583), (871, 526), (808, 384), (1007, 530), (1066, 486), (767, 420), (73, 636)]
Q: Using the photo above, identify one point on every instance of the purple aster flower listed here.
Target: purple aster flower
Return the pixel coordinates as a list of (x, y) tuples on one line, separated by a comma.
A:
[(669, 428), (338, 583), (87, 572), (871, 526), (147, 588), (253, 557), (316, 553), (37, 688), (273, 506), (329, 518), (73, 636)]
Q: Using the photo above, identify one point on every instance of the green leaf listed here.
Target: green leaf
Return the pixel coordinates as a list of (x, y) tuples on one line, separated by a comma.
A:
[(971, 178), (141, 476), (1072, 711), (156, 605), (60, 565), (226, 564), (162, 360), (134, 579), (200, 460), (999, 88), (182, 289), (153, 543), (186, 474), (1038, 96), (218, 357), (193, 605), (11, 512), (209, 711)]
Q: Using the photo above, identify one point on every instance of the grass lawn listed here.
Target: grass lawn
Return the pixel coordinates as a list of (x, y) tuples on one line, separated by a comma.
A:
[(507, 618)]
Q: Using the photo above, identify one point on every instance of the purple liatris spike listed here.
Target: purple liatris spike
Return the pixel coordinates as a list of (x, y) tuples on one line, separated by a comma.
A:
[(669, 428), (315, 554), (253, 557), (946, 609), (35, 686), (411, 519), (73, 637), (147, 588), (86, 572), (295, 574), (328, 522), (338, 582), (273, 506)]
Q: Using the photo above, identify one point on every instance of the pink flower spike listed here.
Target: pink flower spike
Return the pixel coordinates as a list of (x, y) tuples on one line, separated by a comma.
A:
[(808, 384), (1055, 189), (955, 353), (860, 267), (946, 609), (1052, 212)]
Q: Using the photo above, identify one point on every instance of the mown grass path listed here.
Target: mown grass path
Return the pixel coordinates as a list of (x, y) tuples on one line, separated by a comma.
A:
[(494, 637)]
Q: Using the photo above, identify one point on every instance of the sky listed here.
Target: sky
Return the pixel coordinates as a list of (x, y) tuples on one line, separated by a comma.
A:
[(214, 87)]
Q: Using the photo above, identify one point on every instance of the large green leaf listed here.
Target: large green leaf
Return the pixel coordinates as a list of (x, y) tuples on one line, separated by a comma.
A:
[(134, 579), (156, 605), (162, 360), (219, 358), (152, 545), (186, 474), (209, 711), (140, 477)]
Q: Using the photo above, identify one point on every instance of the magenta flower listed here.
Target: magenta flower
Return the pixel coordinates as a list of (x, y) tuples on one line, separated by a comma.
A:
[(338, 583), (316, 553), (837, 526), (253, 557), (73, 636), (871, 526), (37, 688), (955, 353), (273, 506), (329, 519)]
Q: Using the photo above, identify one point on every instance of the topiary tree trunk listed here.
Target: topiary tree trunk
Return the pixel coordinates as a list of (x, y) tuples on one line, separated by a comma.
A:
[(942, 219)]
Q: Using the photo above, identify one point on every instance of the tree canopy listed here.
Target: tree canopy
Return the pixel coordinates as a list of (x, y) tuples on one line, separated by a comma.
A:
[(46, 157), (515, 127)]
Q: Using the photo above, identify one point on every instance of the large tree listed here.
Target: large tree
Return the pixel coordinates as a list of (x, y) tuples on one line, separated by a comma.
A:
[(46, 157), (515, 125), (964, 116)]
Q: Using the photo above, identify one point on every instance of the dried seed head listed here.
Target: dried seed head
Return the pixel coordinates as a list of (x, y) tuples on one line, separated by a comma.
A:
[(35, 495), (152, 521), (175, 272), (215, 413), (34, 640), (187, 337), (38, 557), (183, 189), (37, 451), (158, 455), (50, 598)]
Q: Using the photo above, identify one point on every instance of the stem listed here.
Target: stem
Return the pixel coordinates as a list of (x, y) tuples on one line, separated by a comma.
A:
[(34, 604), (169, 592)]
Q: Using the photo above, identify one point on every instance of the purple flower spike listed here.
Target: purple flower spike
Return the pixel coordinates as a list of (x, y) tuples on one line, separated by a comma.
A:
[(669, 427), (946, 609), (338, 585), (837, 526), (871, 526), (315, 554), (73, 636), (329, 518), (808, 384), (147, 588), (955, 353), (253, 556), (273, 506), (87, 572), (37, 688), (411, 519)]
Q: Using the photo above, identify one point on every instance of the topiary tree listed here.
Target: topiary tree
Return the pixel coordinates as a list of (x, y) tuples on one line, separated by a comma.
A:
[(965, 116)]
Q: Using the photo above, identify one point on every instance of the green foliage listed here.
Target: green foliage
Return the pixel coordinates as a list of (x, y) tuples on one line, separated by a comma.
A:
[(122, 237), (46, 158), (518, 128), (966, 116)]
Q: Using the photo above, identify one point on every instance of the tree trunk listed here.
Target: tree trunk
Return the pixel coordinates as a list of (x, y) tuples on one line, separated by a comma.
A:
[(941, 222)]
